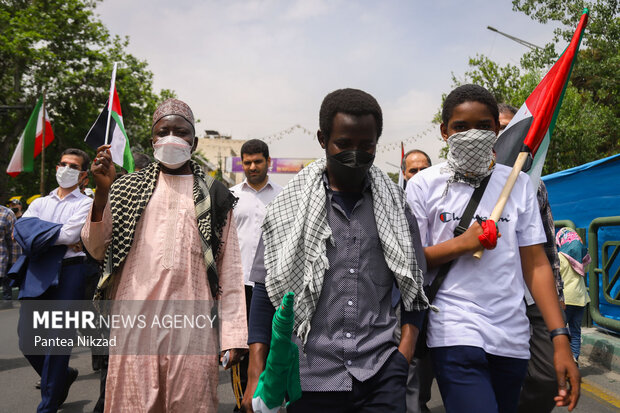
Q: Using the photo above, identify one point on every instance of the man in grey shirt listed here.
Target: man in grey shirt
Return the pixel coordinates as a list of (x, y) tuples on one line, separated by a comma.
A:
[(341, 236)]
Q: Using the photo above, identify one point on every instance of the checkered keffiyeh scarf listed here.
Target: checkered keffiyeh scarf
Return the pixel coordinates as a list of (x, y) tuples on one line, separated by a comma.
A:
[(129, 196), (296, 230), (470, 157)]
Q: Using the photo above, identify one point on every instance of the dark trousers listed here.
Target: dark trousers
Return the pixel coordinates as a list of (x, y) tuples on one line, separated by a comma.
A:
[(540, 385), (384, 392), (7, 291), (243, 365), (473, 381), (103, 376), (426, 376), (53, 368), (419, 383)]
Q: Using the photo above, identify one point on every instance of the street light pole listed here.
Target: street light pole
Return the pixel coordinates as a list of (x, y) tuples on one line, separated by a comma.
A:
[(516, 39)]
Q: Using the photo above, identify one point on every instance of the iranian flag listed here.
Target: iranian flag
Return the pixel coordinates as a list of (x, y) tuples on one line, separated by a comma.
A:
[(29, 145), (117, 136), (531, 128)]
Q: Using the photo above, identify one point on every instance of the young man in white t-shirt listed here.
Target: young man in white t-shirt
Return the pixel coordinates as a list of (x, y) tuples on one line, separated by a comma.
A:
[(479, 337)]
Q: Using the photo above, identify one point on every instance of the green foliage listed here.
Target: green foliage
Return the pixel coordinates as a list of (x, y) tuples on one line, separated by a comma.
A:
[(589, 119), (502, 81), (598, 70), (60, 48), (393, 176), (581, 134)]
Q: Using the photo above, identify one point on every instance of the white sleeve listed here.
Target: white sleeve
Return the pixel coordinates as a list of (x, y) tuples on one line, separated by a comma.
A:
[(70, 231), (33, 209), (530, 230), (417, 193)]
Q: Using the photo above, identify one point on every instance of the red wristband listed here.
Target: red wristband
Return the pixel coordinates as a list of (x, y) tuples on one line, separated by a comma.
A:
[(488, 238)]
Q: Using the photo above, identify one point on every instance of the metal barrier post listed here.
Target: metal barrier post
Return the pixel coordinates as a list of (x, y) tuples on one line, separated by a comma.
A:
[(595, 271)]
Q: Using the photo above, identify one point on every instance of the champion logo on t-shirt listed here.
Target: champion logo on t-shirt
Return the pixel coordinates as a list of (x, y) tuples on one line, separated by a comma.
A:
[(446, 217)]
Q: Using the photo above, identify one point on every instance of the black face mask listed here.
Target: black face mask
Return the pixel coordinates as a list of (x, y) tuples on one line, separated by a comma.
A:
[(15, 210), (349, 168)]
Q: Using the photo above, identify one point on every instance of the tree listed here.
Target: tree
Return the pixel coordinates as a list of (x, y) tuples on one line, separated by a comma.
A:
[(58, 46), (588, 121), (595, 76)]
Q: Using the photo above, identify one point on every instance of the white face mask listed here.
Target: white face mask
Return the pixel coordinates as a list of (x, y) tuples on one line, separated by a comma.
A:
[(67, 177), (172, 152)]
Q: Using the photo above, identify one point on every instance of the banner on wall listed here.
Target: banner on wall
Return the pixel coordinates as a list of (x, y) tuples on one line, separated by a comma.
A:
[(278, 165)]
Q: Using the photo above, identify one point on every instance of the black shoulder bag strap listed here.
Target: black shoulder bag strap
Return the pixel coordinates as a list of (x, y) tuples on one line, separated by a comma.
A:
[(432, 290)]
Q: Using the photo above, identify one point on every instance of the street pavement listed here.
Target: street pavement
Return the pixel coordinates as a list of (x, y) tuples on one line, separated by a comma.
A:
[(600, 389)]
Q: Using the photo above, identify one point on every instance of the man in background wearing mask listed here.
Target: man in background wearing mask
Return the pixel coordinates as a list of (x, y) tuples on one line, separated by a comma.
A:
[(16, 207), (340, 235), (68, 207), (166, 232)]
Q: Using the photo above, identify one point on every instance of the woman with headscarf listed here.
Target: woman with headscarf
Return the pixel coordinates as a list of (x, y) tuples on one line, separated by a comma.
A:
[(574, 258)]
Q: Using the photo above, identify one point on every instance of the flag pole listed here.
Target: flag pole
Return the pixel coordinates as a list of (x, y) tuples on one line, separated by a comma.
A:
[(550, 103), (43, 147), (505, 194), (110, 99)]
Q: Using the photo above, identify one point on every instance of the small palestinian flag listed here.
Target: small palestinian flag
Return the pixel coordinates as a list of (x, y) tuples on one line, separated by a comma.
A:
[(117, 136), (531, 128), (29, 145), (401, 175)]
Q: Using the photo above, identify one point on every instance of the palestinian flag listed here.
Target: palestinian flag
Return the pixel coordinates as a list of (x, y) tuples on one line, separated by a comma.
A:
[(531, 128), (29, 145), (117, 136)]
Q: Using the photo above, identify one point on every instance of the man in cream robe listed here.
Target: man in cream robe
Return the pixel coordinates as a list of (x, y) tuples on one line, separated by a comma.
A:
[(167, 233)]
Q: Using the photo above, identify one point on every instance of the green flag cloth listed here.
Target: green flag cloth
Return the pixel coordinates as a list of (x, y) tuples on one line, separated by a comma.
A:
[(281, 374)]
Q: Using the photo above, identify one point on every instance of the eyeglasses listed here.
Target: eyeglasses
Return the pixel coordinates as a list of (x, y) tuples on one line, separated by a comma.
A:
[(71, 165)]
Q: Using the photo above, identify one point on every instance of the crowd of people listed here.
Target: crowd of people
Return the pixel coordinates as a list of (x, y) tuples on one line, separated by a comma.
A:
[(379, 272)]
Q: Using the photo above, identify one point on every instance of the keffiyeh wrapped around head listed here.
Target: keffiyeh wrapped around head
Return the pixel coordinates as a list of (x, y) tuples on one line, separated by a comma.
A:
[(470, 156), (570, 245)]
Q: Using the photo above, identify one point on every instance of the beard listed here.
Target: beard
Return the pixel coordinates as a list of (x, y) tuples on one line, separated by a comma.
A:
[(258, 178)]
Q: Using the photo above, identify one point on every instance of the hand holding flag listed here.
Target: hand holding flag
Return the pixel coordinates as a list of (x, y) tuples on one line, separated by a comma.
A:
[(530, 130), (109, 129)]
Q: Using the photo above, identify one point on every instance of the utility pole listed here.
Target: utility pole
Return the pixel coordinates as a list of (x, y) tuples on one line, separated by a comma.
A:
[(516, 39)]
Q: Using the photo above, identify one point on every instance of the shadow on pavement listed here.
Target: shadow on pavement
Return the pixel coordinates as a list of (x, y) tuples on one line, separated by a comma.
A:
[(14, 363)]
